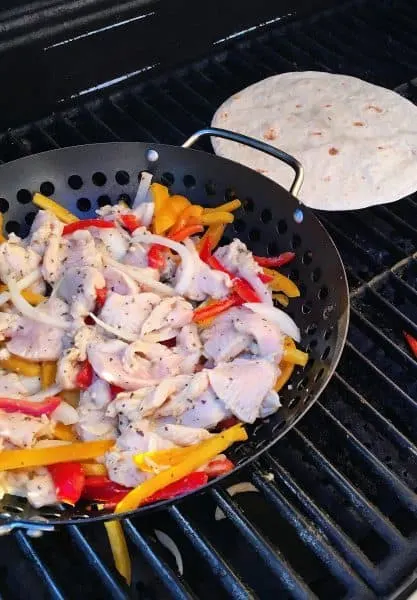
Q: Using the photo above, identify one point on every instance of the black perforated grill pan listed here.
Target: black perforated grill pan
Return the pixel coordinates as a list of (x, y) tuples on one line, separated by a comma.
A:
[(82, 178)]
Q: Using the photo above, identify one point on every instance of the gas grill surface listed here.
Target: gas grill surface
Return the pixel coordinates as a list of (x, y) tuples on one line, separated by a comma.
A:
[(336, 512)]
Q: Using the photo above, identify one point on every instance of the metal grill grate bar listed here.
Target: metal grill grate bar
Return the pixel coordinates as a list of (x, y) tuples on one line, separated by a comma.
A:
[(28, 549), (275, 562)]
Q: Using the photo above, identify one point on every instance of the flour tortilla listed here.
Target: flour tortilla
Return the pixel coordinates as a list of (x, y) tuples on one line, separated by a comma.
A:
[(356, 141)]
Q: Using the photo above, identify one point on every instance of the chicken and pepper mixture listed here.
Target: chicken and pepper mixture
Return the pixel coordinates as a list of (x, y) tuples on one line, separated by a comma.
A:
[(133, 350)]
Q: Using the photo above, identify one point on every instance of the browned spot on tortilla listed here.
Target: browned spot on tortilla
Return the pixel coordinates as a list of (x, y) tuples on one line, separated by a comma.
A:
[(316, 133), (327, 105), (224, 115), (298, 105), (236, 97), (381, 147), (363, 177), (262, 171), (270, 134), (374, 108), (358, 123), (329, 118), (333, 151), (327, 178)]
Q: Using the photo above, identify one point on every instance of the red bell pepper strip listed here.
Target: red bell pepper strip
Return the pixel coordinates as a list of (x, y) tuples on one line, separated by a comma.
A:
[(114, 390), (130, 222), (240, 286), (265, 278), (101, 295), (84, 376), (189, 483), (216, 308), (99, 488), (206, 249), (69, 481), (85, 224), (182, 234), (218, 467), (275, 261), (34, 409), (214, 263), (412, 342), (156, 257), (226, 423)]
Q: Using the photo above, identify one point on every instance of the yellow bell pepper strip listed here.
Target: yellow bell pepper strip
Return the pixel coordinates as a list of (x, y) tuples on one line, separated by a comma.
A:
[(227, 207), (217, 217), (64, 433), (286, 368), (178, 203), (21, 366), (164, 216), (150, 461), (281, 298), (205, 452), (163, 221), (59, 211), (119, 549), (48, 374), (32, 297), (2, 238), (280, 283), (294, 356), (41, 457), (191, 215), (213, 235), (92, 469)]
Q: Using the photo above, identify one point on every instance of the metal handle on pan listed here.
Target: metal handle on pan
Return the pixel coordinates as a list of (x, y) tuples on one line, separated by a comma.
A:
[(257, 145)]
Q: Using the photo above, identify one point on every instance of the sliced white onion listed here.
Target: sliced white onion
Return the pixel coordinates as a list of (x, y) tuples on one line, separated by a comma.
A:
[(66, 414), (167, 333), (22, 284), (4, 297), (119, 333), (35, 314), (260, 288), (137, 275), (144, 213), (170, 545), (187, 260), (143, 189), (278, 316), (237, 488)]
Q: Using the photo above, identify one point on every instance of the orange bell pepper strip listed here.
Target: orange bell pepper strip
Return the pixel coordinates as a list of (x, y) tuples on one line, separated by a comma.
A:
[(64, 433), (48, 374), (216, 308), (214, 233), (206, 451), (217, 217), (191, 215), (227, 207), (41, 457), (186, 232), (2, 238)]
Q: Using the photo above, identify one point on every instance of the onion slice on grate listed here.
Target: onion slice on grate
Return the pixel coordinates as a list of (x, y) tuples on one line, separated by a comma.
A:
[(237, 488), (275, 315), (35, 314), (187, 260), (170, 545), (119, 333)]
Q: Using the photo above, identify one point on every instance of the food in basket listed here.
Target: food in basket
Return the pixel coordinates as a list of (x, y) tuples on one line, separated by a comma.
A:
[(134, 349)]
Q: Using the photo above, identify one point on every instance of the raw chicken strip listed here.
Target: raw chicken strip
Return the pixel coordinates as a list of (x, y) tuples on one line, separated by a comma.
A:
[(22, 430), (267, 335), (15, 386), (119, 282), (113, 242), (36, 341), (242, 385), (270, 405), (37, 486), (205, 282), (17, 261), (181, 435), (172, 312), (68, 363), (8, 324), (79, 288), (44, 227), (94, 423), (128, 313), (206, 412), (137, 256), (189, 347), (221, 340), (192, 388)]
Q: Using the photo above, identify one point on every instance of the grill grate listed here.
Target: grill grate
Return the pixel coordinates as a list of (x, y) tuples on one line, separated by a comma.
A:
[(336, 512)]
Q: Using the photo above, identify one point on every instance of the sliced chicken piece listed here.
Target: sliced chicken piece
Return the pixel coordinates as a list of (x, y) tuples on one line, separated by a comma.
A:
[(22, 430), (221, 340), (15, 386), (174, 312), (8, 324), (119, 282), (94, 423), (54, 258), (17, 261), (268, 337), (128, 313), (112, 242), (137, 256), (179, 434), (271, 403), (35, 341), (163, 361), (122, 469), (206, 282), (243, 385), (68, 363), (44, 227), (41, 488), (206, 412), (79, 288), (237, 259), (189, 347), (179, 402), (108, 359)]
